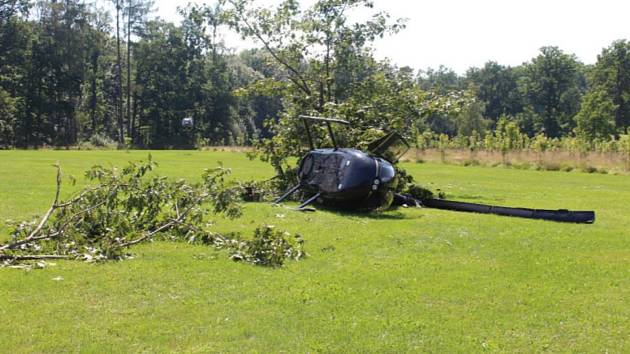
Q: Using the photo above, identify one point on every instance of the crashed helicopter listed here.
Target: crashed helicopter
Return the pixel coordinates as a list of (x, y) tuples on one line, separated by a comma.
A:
[(351, 179)]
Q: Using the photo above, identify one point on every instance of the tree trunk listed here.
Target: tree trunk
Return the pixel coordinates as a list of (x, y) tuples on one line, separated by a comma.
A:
[(93, 91), (121, 132), (133, 118), (129, 121)]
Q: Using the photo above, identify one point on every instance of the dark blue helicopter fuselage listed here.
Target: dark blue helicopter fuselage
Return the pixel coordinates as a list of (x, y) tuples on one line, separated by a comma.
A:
[(347, 177)]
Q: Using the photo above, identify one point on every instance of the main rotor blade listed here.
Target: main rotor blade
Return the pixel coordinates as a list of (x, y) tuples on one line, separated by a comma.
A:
[(324, 119), (561, 215)]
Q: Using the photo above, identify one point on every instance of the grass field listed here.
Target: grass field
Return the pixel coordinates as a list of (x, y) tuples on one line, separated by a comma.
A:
[(406, 280)]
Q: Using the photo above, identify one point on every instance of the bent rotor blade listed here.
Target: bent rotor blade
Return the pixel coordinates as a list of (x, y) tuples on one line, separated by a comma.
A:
[(561, 215)]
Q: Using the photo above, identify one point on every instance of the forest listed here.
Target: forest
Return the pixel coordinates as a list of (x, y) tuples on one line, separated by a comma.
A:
[(113, 74)]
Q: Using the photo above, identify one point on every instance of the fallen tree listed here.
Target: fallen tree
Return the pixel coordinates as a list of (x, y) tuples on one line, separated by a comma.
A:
[(129, 206)]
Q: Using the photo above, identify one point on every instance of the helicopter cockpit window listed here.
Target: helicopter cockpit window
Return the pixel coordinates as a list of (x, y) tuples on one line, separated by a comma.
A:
[(391, 147), (306, 166), (386, 173)]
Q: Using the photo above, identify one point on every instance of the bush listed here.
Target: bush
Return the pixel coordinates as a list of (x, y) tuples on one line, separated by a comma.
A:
[(471, 162), (102, 141), (550, 166), (418, 192), (522, 166)]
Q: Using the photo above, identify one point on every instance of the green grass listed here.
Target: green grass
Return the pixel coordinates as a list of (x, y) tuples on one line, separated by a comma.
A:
[(405, 280)]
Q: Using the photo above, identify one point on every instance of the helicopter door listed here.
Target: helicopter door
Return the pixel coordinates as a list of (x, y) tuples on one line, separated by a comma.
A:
[(391, 147)]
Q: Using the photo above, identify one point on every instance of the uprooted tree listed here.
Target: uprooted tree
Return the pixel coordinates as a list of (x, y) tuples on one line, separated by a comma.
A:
[(129, 206)]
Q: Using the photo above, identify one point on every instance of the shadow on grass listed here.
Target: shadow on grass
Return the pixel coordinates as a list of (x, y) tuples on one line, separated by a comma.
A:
[(395, 214), (391, 214)]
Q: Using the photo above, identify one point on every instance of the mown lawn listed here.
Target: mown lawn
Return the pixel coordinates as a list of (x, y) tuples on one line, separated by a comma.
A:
[(405, 280)]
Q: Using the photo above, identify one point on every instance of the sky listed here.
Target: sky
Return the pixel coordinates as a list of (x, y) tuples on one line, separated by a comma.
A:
[(460, 34)]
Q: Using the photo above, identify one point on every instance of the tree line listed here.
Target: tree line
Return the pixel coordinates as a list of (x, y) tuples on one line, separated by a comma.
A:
[(74, 71), (553, 94)]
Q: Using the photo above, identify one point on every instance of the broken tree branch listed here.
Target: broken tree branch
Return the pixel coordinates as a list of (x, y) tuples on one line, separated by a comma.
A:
[(126, 208), (44, 219), (10, 257)]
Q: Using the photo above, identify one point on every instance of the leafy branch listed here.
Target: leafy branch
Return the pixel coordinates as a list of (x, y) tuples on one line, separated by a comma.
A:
[(128, 207)]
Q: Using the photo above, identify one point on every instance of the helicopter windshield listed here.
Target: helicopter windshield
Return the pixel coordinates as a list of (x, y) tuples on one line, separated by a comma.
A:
[(391, 147), (386, 172)]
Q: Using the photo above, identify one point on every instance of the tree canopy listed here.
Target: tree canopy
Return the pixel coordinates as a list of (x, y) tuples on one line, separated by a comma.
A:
[(73, 72)]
